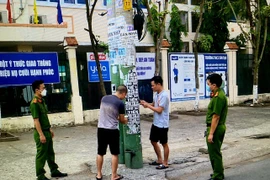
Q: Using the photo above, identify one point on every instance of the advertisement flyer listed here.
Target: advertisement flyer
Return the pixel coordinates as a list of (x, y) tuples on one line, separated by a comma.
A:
[(217, 63), (182, 74), (92, 67), (182, 77), (145, 65)]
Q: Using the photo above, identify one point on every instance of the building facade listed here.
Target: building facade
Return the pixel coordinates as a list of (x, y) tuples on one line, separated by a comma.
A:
[(22, 35)]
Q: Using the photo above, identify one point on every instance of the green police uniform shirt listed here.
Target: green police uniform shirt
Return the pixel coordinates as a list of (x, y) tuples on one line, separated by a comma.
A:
[(218, 105), (39, 111)]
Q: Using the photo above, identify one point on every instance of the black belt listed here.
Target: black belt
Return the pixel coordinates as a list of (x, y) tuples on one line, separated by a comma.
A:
[(44, 129), (209, 124)]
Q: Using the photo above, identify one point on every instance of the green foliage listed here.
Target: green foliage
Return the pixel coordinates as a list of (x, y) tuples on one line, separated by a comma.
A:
[(266, 11), (104, 46), (215, 24), (156, 29), (239, 8), (100, 44), (176, 29), (205, 43), (240, 40)]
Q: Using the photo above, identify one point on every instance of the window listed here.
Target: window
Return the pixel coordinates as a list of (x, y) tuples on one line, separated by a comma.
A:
[(15, 101), (69, 1), (180, 1), (194, 21), (66, 1), (195, 2), (184, 19)]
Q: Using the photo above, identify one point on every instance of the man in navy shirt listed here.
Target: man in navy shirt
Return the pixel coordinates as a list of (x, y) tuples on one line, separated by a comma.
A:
[(112, 110)]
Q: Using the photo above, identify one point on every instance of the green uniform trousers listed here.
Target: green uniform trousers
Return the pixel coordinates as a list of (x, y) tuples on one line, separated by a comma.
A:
[(45, 153), (214, 150)]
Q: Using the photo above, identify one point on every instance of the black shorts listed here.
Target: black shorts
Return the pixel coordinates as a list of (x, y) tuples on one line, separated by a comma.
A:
[(107, 137), (159, 134)]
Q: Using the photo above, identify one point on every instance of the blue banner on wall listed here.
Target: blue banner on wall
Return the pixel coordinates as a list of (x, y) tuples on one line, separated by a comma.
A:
[(23, 68), (216, 63), (182, 74), (92, 67)]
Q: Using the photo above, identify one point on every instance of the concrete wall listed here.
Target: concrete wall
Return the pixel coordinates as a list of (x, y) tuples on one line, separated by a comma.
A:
[(25, 123)]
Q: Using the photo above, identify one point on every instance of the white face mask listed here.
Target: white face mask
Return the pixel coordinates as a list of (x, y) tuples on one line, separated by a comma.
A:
[(44, 93)]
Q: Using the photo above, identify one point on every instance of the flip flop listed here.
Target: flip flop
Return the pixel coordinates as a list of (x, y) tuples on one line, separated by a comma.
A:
[(155, 163), (161, 166), (119, 177)]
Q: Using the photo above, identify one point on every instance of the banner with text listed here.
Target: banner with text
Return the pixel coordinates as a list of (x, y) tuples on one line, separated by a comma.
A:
[(24, 68), (92, 67), (216, 63), (145, 65), (182, 74)]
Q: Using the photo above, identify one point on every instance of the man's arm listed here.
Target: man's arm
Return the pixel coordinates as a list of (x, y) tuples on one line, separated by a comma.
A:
[(143, 102), (39, 130), (214, 124), (122, 119), (158, 109)]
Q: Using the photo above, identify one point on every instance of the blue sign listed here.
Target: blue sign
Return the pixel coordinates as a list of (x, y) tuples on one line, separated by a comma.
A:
[(93, 72), (216, 63), (182, 74), (92, 67), (23, 68)]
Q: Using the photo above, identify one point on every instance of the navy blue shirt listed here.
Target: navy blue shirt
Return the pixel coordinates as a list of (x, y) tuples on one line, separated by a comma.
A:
[(110, 108)]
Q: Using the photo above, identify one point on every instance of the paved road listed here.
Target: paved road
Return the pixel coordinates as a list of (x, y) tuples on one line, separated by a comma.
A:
[(255, 169), (76, 146)]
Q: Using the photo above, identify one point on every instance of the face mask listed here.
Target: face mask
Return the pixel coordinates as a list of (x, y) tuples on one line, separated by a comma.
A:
[(44, 93), (208, 88)]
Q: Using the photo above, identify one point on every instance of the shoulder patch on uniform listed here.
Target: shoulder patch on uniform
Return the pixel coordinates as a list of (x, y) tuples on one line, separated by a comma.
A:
[(34, 100), (216, 94)]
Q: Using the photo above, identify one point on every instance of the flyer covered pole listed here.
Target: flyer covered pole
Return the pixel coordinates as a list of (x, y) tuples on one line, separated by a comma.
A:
[(122, 56)]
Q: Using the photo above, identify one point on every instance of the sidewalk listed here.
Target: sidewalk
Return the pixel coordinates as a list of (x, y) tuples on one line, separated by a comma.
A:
[(75, 149)]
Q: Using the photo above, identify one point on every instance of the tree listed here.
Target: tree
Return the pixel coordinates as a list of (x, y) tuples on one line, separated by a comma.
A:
[(205, 43), (195, 48), (215, 24), (257, 13), (156, 27), (94, 42), (176, 29)]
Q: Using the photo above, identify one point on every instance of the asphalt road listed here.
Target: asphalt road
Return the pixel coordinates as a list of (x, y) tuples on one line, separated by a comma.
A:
[(255, 169)]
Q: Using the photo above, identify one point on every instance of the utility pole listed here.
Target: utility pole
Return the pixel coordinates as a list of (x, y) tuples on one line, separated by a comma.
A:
[(122, 55)]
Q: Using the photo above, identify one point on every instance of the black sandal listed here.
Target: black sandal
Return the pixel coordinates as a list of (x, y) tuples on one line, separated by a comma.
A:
[(155, 163)]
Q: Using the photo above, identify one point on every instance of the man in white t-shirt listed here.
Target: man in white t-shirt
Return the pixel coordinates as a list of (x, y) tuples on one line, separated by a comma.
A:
[(160, 126)]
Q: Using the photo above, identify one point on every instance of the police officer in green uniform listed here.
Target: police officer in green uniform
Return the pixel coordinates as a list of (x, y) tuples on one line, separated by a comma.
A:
[(215, 121), (43, 133)]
